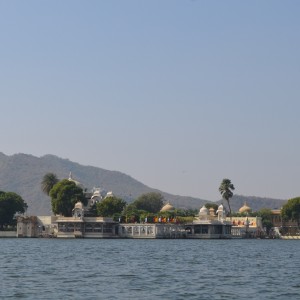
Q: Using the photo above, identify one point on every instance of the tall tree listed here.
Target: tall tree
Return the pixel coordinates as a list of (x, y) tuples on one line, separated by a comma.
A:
[(131, 214), (226, 189), (10, 204), (151, 202), (64, 195), (266, 217), (291, 210), (110, 206), (48, 182)]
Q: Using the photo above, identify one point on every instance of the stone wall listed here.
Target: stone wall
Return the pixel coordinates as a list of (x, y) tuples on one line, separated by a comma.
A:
[(8, 234)]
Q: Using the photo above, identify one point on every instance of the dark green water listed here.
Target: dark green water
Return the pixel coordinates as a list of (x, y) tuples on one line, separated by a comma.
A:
[(149, 269)]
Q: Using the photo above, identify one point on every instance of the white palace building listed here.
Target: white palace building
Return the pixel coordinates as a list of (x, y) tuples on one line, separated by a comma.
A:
[(207, 225)]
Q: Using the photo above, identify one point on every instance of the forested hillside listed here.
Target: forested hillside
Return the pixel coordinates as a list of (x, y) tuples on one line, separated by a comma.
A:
[(22, 173)]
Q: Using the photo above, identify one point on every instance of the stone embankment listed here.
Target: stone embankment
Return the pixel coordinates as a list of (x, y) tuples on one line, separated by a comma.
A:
[(290, 237), (8, 234)]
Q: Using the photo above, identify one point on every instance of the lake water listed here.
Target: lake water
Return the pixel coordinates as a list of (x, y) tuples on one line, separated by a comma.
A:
[(149, 269)]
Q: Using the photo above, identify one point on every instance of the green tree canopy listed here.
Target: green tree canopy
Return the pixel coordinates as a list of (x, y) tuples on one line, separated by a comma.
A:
[(151, 202), (226, 189), (49, 180), (10, 204), (131, 214), (64, 195), (212, 205), (185, 212), (110, 206), (266, 217), (291, 210)]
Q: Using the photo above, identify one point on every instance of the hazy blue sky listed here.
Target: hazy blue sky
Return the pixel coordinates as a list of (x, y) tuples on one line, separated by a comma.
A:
[(177, 94)]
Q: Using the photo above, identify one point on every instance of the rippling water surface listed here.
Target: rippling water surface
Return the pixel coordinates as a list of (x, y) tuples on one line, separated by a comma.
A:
[(149, 269)]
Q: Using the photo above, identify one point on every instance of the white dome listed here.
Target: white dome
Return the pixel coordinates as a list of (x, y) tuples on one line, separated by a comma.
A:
[(78, 205), (203, 210), (96, 195), (109, 194), (220, 208)]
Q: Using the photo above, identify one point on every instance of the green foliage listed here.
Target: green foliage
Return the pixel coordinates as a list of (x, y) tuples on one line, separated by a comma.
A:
[(110, 207), (64, 195), (291, 210), (131, 214), (150, 202), (48, 182), (10, 204), (266, 217), (184, 220), (264, 213), (226, 189), (92, 212), (212, 205), (185, 212)]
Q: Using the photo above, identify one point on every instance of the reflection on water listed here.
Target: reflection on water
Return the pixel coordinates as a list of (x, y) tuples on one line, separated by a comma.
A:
[(149, 269)]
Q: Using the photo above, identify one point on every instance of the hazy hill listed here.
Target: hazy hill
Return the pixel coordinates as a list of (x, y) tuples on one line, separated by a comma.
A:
[(22, 173), (256, 203)]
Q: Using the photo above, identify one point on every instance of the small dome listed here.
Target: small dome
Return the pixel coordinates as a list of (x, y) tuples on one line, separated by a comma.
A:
[(167, 207), (109, 194), (78, 205), (220, 208), (245, 208), (203, 210), (96, 194), (211, 211)]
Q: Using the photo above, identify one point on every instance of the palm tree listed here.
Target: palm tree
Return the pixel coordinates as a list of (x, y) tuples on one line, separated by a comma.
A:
[(49, 180), (226, 189)]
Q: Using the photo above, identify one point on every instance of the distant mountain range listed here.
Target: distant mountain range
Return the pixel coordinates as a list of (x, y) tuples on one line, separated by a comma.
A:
[(23, 173)]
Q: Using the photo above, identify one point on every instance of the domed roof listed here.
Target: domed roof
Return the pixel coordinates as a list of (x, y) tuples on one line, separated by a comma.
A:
[(220, 208), (212, 211), (78, 205), (167, 207), (109, 194), (97, 193), (245, 208), (203, 210)]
